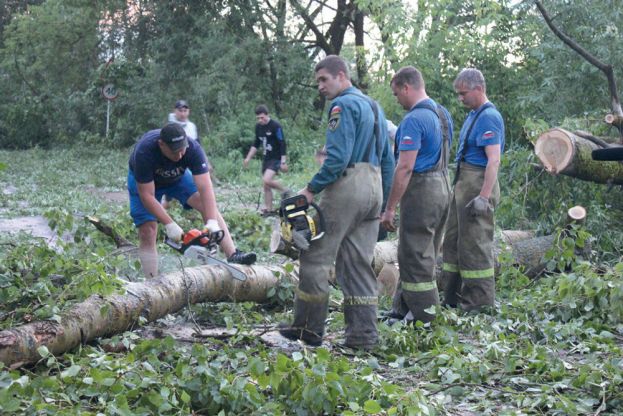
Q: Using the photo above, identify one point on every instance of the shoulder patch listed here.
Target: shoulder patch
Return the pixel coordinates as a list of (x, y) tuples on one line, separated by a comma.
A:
[(334, 118), (406, 140), (488, 135)]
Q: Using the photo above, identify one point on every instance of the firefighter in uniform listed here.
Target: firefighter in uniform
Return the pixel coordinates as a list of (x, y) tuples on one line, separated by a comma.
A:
[(353, 179), (422, 186), (468, 263)]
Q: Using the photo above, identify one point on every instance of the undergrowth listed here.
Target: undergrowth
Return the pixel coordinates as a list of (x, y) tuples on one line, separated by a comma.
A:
[(550, 346)]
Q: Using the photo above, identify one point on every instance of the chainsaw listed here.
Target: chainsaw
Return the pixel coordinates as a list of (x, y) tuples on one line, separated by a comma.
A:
[(297, 226), (202, 246)]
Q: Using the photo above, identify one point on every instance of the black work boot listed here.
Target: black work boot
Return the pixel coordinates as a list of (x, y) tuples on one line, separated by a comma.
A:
[(308, 325), (386, 316), (297, 333), (452, 289), (360, 323), (240, 257), (418, 302)]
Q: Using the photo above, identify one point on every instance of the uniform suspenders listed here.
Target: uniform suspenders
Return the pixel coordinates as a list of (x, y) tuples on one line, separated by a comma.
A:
[(461, 155), (377, 129), (442, 163)]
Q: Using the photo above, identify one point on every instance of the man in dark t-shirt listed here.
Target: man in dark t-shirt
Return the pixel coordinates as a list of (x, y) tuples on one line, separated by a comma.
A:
[(269, 134), (163, 162)]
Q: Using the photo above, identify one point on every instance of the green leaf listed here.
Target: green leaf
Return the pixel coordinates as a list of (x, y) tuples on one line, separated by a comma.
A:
[(354, 406), (371, 407), (71, 371), (43, 351), (184, 397)]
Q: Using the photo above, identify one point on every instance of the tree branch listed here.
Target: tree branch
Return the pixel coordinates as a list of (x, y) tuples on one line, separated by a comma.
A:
[(605, 68), (320, 38), (590, 137)]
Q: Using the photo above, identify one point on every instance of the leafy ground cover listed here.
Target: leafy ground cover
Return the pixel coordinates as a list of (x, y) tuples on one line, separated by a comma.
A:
[(550, 346)]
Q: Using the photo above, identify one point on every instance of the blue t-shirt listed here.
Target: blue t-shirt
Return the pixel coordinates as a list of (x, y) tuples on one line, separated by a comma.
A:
[(488, 130), (148, 164), (420, 130)]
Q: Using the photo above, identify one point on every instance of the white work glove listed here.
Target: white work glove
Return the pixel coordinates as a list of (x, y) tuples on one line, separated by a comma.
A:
[(479, 206), (212, 226), (174, 232)]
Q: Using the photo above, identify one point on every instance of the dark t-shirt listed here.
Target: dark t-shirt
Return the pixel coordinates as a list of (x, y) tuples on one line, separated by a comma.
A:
[(271, 138), (147, 162)]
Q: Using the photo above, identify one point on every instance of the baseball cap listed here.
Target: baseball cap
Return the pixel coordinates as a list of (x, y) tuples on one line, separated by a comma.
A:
[(174, 136), (181, 104)]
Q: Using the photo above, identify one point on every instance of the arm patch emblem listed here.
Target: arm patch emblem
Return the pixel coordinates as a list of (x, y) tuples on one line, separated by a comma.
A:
[(334, 118), (488, 135)]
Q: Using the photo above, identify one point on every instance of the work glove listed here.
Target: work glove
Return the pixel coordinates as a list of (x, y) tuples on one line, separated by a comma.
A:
[(174, 232), (479, 206), (212, 226)]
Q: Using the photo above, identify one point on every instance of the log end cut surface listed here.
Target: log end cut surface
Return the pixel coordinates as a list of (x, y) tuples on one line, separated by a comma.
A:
[(576, 214), (554, 148)]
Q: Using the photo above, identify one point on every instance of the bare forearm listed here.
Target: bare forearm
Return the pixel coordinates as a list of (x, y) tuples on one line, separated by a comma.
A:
[(491, 175), (402, 176), (155, 208), (251, 153), (208, 203)]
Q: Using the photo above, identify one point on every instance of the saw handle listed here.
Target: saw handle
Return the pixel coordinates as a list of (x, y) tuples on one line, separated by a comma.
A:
[(321, 222), (203, 239)]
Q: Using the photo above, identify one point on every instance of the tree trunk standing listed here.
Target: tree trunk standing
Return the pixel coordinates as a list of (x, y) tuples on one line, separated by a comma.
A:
[(561, 151), (360, 50)]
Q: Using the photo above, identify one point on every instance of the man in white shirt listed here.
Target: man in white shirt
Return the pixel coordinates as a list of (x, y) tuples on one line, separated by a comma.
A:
[(180, 116)]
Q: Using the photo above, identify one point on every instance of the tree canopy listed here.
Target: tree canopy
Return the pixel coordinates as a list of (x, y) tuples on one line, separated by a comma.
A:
[(226, 56)]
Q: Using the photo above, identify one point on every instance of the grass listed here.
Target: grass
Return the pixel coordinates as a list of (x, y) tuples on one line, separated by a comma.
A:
[(551, 346)]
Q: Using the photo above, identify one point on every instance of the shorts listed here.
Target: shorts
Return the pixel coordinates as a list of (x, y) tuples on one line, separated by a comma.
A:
[(272, 164), (181, 190)]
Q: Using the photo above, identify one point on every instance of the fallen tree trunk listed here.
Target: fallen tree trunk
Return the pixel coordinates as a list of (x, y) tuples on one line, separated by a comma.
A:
[(104, 316), (563, 152), (101, 316), (523, 248)]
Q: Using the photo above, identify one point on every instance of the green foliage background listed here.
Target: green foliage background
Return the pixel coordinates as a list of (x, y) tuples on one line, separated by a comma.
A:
[(551, 346)]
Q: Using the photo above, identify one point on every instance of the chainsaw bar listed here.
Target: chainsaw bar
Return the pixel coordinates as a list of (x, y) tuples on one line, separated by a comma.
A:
[(202, 255), (201, 248)]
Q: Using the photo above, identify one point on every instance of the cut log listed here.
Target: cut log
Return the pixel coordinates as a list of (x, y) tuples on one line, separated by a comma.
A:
[(104, 316), (529, 253), (614, 120), (576, 215), (562, 152)]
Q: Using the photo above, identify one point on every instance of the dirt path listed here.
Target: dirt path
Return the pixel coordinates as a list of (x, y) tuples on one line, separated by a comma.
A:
[(36, 226)]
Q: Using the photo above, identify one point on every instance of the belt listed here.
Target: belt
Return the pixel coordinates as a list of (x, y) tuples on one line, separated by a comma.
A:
[(441, 172)]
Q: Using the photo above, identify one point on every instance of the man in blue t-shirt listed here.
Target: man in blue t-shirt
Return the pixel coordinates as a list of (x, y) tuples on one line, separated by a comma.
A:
[(422, 187), (165, 161), (269, 135), (468, 261)]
